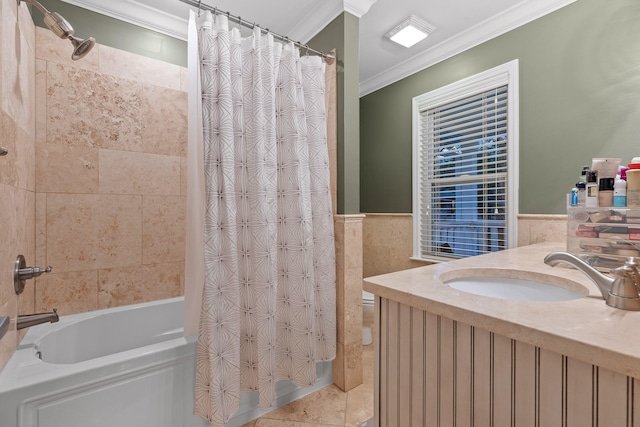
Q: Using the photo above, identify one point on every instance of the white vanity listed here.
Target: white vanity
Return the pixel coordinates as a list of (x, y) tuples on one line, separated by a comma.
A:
[(445, 357)]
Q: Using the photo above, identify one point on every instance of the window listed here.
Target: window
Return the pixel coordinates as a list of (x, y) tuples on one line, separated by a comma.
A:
[(465, 155)]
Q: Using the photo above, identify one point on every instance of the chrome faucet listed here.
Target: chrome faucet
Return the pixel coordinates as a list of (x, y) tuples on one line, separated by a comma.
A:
[(619, 291), (36, 319)]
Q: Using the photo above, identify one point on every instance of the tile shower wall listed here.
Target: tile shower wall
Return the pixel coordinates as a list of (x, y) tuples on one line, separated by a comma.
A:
[(111, 141), (17, 168)]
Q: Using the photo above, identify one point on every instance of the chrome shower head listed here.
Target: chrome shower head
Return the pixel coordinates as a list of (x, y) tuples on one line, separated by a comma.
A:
[(81, 47), (63, 29)]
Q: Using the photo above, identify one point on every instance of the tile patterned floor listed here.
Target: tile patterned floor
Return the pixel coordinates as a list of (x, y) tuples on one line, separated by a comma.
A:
[(329, 406)]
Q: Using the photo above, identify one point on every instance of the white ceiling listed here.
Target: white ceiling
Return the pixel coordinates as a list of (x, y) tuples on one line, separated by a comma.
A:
[(460, 25)]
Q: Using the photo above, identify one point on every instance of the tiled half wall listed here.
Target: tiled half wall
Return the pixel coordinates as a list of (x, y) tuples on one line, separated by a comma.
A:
[(111, 141), (387, 239)]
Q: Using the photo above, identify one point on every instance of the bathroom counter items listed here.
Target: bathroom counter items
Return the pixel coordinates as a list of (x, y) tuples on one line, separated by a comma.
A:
[(585, 329), (603, 237)]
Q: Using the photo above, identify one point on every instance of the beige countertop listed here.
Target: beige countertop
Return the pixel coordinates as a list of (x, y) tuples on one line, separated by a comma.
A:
[(585, 328)]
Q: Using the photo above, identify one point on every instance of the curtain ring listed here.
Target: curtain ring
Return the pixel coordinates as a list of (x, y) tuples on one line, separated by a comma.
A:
[(199, 4), (307, 47)]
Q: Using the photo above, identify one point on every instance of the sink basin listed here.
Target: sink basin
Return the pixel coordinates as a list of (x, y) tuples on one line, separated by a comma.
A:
[(500, 285)]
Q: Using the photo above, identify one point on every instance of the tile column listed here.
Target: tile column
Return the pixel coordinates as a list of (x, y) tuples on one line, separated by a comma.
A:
[(347, 367)]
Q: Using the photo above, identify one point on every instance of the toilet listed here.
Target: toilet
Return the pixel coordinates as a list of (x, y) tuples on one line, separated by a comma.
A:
[(367, 317)]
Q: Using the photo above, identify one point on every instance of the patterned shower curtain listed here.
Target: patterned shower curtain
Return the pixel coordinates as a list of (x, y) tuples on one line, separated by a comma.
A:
[(268, 302)]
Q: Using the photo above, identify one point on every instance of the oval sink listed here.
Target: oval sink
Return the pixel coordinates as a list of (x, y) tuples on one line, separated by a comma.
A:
[(490, 284)]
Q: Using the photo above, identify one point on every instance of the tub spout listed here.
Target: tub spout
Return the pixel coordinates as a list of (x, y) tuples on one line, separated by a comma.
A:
[(36, 319), (619, 291)]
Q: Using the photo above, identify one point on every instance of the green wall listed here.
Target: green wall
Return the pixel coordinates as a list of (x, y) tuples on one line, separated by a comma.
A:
[(115, 33), (579, 99), (342, 35)]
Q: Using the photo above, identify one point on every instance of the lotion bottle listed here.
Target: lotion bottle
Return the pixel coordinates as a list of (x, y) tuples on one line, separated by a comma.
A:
[(591, 199), (620, 189)]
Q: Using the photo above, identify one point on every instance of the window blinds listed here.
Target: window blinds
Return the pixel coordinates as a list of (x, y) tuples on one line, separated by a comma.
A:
[(463, 176)]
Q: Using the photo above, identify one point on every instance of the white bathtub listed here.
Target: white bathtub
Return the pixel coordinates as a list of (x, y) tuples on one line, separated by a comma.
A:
[(122, 367)]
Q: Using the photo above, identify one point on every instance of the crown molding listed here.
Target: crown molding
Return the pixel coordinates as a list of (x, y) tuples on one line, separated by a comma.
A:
[(490, 28), (316, 20), (358, 7), (138, 14)]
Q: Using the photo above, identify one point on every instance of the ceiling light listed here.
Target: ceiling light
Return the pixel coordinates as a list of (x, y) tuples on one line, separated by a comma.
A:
[(410, 31)]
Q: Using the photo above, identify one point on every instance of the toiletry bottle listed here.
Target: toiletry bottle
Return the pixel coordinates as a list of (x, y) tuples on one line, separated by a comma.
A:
[(591, 199), (605, 191), (620, 189), (582, 192), (583, 174), (573, 201), (633, 183)]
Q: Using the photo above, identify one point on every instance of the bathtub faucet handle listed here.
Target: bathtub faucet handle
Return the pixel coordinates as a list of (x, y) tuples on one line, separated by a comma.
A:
[(31, 272), (22, 273)]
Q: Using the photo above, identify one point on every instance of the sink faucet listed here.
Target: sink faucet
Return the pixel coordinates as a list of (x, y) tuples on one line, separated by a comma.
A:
[(619, 291), (36, 319)]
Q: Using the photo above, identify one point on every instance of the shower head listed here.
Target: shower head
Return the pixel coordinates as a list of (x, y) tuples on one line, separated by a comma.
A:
[(81, 47), (63, 29)]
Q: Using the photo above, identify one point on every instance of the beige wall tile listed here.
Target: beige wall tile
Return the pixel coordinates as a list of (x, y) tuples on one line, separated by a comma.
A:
[(24, 204), (9, 343), (18, 70), (163, 229), (41, 101), (524, 232), (388, 244), (26, 159), (164, 121), (337, 367), (353, 244), (184, 79), (71, 292), (9, 245), (353, 365), (353, 306), (119, 63), (51, 48), (66, 169), (88, 231), (27, 27), (123, 172), (548, 231), (183, 176), (89, 109), (338, 230), (132, 285), (541, 228), (340, 308), (41, 229), (9, 163), (17, 124)]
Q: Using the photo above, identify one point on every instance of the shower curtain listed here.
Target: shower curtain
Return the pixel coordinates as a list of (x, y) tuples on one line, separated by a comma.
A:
[(260, 223)]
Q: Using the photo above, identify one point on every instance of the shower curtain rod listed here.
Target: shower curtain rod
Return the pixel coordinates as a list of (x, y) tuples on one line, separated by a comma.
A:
[(238, 20)]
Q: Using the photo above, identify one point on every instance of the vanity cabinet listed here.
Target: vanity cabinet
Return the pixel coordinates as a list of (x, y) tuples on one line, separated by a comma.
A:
[(447, 358), (432, 371)]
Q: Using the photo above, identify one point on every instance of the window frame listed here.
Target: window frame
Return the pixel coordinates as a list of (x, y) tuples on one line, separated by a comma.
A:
[(505, 74)]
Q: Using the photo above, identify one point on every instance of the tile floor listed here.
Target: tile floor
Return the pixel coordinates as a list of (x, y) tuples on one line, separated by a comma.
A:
[(329, 406)]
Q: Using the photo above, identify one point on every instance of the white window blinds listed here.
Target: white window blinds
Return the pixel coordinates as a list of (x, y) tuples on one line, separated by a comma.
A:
[(462, 206)]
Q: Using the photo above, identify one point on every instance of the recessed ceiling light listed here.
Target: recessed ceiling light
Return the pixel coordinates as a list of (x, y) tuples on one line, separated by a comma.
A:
[(410, 31)]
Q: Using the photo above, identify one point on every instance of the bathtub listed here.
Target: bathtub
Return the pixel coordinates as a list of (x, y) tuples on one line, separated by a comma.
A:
[(127, 366)]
